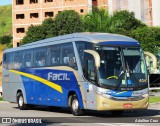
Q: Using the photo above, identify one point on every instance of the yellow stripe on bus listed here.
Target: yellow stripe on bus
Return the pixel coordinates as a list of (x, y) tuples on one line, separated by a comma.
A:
[(121, 92), (44, 81)]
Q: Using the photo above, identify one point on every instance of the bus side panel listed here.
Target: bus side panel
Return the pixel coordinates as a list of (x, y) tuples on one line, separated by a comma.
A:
[(44, 90), (11, 83)]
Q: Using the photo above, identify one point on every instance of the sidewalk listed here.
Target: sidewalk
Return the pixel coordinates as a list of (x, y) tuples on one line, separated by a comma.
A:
[(154, 94), (154, 106)]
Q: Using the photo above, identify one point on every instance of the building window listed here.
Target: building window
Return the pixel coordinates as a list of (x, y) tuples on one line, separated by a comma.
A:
[(34, 15), (48, 1), (33, 1), (19, 2), (18, 44), (49, 14), (81, 10), (20, 30), (19, 16)]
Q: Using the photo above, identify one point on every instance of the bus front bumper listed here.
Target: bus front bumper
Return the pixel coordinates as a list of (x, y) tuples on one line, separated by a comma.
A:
[(108, 104)]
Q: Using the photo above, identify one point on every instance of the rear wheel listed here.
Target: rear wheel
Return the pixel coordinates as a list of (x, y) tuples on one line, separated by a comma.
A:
[(75, 109), (20, 101)]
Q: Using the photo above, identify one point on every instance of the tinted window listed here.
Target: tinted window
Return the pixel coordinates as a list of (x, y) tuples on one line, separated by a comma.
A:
[(17, 59), (55, 55), (40, 57), (81, 46), (28, 59), (68, 57), (7, 61)]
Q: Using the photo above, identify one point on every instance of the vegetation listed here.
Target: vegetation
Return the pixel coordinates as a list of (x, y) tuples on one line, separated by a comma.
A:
[(149, 37), (154, 99), (123, 22), (5, 20), (65, 22), (5, 26), (6, 39), (1, 99), (97, 21)]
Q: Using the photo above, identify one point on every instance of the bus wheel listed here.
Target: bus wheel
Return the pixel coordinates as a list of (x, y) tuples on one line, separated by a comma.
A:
[(75, 109), (20, 101), (117, 112)]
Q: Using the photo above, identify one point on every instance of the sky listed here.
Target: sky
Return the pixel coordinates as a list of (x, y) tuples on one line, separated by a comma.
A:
[(5, 2)]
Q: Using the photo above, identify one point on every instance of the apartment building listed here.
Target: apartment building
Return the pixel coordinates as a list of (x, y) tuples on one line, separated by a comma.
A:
[(145, 10), (27, 12)]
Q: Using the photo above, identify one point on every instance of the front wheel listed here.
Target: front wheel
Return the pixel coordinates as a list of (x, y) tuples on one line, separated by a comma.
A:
[(20, 101), (75, 109)]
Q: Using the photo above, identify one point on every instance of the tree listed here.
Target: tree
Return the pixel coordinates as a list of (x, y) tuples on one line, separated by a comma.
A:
[(49, 27), (34, 33), (123, 22), (97, 21), (149, 37), (6, 39), (67, 22)]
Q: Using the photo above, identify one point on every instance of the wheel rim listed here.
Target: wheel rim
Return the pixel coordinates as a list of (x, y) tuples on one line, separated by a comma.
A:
[(20, 101), (75, 105)]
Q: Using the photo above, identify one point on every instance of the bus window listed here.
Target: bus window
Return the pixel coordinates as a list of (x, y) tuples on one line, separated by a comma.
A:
[(81, 46), (17, 60), (7, 61), (27, 59), (55, 55), (68, 56), (40, 57)]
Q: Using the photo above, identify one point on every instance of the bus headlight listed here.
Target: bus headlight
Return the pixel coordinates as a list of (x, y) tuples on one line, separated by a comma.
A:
[(145, 95), (103, 94)]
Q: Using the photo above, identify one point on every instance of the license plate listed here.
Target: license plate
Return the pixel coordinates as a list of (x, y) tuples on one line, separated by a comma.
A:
[(128, 105)]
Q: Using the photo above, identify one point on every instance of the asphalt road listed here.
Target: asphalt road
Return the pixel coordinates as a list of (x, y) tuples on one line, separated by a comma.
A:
[(62, 116)]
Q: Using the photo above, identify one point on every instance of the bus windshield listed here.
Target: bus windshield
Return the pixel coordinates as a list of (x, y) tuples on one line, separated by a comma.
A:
[(122, 67)]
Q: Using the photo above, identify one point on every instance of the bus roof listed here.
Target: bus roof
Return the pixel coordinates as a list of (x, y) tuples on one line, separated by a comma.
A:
[(86, 36)]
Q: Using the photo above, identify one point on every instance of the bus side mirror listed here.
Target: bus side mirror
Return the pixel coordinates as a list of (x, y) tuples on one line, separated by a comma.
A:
[(95, 55)]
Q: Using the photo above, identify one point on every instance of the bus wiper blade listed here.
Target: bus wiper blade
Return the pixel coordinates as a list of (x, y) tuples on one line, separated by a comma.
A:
[(120, 79)]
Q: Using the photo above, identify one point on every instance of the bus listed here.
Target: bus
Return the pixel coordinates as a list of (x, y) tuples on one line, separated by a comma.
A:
[(80, 71)]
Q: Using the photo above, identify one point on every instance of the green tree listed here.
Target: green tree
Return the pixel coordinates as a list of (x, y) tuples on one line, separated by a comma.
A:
[(34, 33), (6, 39), (67, 22), (149, 37), (123, 22), (97, 21), (49, 27)]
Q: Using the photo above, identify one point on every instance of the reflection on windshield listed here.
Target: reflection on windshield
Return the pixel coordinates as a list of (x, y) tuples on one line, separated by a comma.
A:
[(122, 67)]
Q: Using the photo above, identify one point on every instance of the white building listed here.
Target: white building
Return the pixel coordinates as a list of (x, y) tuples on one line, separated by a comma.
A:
[(145, 10)]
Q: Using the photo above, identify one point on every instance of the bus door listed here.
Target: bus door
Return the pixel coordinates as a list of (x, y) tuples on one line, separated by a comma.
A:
[(90, 75)]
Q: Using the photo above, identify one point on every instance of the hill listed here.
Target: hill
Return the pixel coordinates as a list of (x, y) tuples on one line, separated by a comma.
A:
[(5, 20)]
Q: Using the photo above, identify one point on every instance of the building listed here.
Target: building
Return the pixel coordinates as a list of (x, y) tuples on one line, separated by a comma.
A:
[(145, 10), (27, 12)]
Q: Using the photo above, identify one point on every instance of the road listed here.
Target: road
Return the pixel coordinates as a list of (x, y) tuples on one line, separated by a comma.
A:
[(63, 117)]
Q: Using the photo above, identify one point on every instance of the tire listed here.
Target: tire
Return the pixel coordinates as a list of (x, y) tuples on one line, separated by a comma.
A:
[(20, 101), (117, 112), (74, 106)]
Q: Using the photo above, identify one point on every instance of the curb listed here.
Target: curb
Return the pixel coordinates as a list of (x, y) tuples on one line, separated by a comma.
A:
[(4, 102), (154, 103)]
